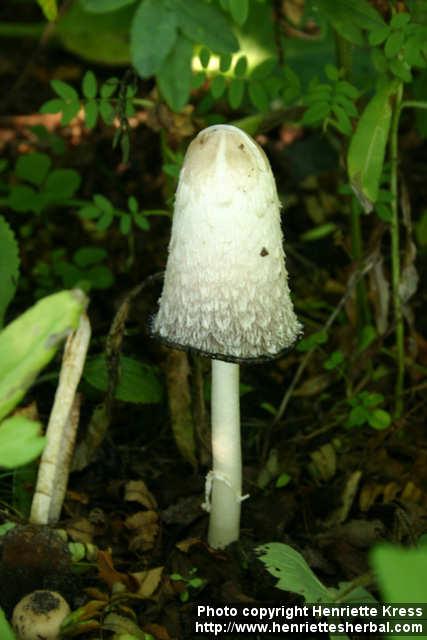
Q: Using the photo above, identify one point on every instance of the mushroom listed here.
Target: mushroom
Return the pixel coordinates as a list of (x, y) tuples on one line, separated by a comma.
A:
[(225, 291), (39, 615)]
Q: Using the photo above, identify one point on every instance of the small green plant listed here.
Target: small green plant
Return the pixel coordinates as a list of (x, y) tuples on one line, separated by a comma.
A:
[(365, 409), (191, 582)]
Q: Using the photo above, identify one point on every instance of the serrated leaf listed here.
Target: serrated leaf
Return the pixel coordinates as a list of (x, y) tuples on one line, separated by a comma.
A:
[(9, 266), (174, 77), (400, 573), (138, 382), (49, 8), (103, 6), (89, 85), (30, 342), (20, 441), (239, 10), (236, 91), (33, 167), (205, 24), (153, 35), (366, 153), (293, 572)]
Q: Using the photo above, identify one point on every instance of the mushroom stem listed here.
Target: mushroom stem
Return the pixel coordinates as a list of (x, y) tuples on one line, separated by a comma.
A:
[(224, 522)]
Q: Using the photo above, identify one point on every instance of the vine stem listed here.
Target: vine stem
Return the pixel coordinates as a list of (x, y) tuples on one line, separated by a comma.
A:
[(395, 253)]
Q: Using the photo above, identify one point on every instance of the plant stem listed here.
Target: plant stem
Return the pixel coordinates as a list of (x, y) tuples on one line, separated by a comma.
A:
[(357, 255), (226, 474), (395, 253), (21, 30), (413, 104)]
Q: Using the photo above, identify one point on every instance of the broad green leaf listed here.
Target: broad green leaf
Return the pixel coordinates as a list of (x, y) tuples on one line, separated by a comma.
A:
[(401, 573), (174, 78), (23, 198), (89, 85), (9, 266), (102, 6), (138, 382), (49, 8), (239, 10), (20, 441), (52, 106), (258, 95), (313, 340), (379, 419), (367, 149), (401, 70), (394, 44), (378, 35), (100, 277), (30, 342), (62, 183), (293, 572), (205, 24), (33, 167), (153, 35)]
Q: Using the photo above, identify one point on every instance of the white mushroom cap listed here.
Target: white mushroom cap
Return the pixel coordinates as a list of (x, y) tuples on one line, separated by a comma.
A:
[(226, 288), (39, 615)]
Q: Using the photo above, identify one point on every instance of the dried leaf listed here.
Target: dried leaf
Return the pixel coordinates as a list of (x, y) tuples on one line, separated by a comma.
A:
[(110, 575), (324, 462), (137, 491), (148, 581), (145, 528), (380, 288), (81, 530)]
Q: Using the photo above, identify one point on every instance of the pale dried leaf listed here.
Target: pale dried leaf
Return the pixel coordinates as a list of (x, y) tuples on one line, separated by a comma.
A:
[(137, 491), (148, 581)]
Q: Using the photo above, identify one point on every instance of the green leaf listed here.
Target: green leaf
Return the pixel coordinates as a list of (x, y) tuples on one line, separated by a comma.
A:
[(241, 66), (49, 8), (33, 167), (125, 224), (399, 20), (335, 359), (401, 70), (205, 24), (332, 73), (100, 277), (174, 78), (379, 61), (314, 340), (358, 416), (31, 341), (378, 35), (379, 419), (133, 204), (198, 79), (349, 12), (107, 111), (62, 184), (316, 113), (293, 572), (394, 44), (236, 91), (6, 631), (421, 229), (225, 62), (239, 10), (204, 57), (283, 480), (343, 121), (138, 382), (87, 256), (347, 89), (153, 35), (367, 337), (103, 203), (319, 232), (141, 221), (91, 113), (258, 95), (20, 442), (218, 86), (69, 111), (89, 85), (400, 573), (23, 199), (105, 221), (109, 87), (64, 90), (90, 212), (52, 106), (264, 69), (367, 149), (103, 6), (9, 266)]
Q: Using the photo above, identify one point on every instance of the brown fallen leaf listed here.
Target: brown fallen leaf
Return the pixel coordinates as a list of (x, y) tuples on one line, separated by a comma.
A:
[(145, 528), (137, 491), (81, 530), (148, 581), (110, 575)]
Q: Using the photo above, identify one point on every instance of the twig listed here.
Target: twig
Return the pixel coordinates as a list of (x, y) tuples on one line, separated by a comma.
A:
[(61, 430)]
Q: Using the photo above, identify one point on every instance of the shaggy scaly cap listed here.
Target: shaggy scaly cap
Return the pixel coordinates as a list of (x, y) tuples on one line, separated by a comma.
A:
[(226, 288)]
